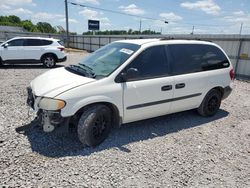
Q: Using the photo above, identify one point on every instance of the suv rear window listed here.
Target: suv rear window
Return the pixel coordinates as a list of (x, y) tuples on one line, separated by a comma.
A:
[(188, 58)]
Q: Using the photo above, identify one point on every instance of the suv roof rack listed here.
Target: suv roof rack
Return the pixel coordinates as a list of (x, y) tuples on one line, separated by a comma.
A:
[(183, 38)]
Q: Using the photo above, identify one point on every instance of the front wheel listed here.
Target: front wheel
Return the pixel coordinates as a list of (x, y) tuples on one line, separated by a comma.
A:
[(94, 125), (49, 61), (1, 63), (210, 104)]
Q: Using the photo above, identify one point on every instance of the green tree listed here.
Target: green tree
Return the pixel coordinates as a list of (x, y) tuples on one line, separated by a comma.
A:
[(3, 19), (45, 27), (29, 26), (14, 19)]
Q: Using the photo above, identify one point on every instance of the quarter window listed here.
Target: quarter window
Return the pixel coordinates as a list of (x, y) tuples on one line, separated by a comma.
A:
[(150, 63), (46, 42)]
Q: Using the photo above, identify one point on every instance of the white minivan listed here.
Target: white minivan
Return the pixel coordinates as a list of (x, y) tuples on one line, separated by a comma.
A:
[(131, 80)]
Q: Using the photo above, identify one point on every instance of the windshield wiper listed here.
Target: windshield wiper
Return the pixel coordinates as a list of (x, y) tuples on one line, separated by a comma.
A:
[(84, 69), (86, 66)]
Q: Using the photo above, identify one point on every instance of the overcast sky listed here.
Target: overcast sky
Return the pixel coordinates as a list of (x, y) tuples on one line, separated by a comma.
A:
[(207, 16)]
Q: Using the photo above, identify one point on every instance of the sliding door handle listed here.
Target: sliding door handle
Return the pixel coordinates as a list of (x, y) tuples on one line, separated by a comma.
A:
[(179, 86)]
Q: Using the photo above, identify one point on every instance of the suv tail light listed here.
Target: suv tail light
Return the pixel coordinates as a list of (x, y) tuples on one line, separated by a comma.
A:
[(61, 48), (232, 74)]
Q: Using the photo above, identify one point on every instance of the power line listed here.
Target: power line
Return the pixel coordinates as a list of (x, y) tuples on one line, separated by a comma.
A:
[(148, 18), (117, 12)]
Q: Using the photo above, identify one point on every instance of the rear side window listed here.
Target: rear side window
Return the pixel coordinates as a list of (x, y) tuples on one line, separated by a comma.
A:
[(189, 58), (150, 63), (32, 42)]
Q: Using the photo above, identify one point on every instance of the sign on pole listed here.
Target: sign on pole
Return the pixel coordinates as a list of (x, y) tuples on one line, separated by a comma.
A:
[(94, 25)]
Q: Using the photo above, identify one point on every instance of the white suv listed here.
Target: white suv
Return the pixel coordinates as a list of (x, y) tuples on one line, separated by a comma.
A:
[(132, 80), (32, 50)]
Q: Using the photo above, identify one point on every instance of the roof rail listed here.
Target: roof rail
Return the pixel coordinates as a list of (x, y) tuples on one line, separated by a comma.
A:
[(183, 38)]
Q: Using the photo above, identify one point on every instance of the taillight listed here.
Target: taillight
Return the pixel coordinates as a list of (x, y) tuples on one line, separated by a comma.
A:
[(232, 75), (61, 48)]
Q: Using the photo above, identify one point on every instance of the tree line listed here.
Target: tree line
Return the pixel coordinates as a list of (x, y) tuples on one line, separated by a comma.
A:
[(13, 20)]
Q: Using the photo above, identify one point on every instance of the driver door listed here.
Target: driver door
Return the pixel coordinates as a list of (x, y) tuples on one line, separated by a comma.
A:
[(149, 93), (14, 50)]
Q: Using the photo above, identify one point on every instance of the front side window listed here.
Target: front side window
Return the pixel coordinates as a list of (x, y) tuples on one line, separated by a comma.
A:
[(16, 42), (189, 58), (106, 59), (151, 63)]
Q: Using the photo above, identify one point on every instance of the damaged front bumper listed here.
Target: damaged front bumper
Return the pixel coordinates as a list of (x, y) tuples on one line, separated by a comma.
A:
[(48, 119)]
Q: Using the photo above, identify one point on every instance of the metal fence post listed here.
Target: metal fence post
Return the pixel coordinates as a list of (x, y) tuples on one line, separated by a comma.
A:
[(238, 56), (99, 42)]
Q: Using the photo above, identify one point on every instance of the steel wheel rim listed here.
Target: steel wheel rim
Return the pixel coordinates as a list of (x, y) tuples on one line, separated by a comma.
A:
[(213, 104), (100, 126)]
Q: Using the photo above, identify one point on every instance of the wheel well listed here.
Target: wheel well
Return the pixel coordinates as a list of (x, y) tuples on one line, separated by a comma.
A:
[(112, 107), (54, 55)]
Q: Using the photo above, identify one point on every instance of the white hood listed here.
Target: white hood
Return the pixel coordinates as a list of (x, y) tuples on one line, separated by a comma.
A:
[(57, 81)]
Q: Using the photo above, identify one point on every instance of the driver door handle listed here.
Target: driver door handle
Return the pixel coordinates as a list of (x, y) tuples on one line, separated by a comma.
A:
[(166, 88)]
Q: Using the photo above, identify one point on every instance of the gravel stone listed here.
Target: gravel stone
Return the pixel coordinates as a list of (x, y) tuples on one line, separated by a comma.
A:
[(177, 150)]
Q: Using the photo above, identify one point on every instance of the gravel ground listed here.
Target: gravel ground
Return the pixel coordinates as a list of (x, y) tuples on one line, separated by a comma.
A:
[(176, 150)]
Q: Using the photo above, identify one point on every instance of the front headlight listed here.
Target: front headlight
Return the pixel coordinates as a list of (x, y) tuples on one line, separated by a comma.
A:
[(51, 104)]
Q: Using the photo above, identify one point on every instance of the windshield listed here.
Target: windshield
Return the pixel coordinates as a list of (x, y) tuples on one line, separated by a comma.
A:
[(108, 58)]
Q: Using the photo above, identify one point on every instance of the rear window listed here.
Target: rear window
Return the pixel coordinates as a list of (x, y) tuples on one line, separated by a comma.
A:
[(188, 58)]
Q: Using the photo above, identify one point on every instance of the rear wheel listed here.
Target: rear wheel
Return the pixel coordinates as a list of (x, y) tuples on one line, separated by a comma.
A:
[(94, 125), (49, 61), (210, 104)]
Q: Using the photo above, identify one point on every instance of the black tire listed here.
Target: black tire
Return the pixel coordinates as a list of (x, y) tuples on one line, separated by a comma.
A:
[(1, 63), (49, 61), (210, 104), (94, 125)]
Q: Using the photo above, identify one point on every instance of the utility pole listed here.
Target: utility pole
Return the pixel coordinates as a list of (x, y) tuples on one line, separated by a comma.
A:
[(140, 27), (241, 26), (192, 31), (67, 23)]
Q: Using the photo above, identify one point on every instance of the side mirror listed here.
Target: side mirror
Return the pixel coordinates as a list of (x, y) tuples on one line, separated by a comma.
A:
[(124, 76), (132, 73), (5, 45)]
